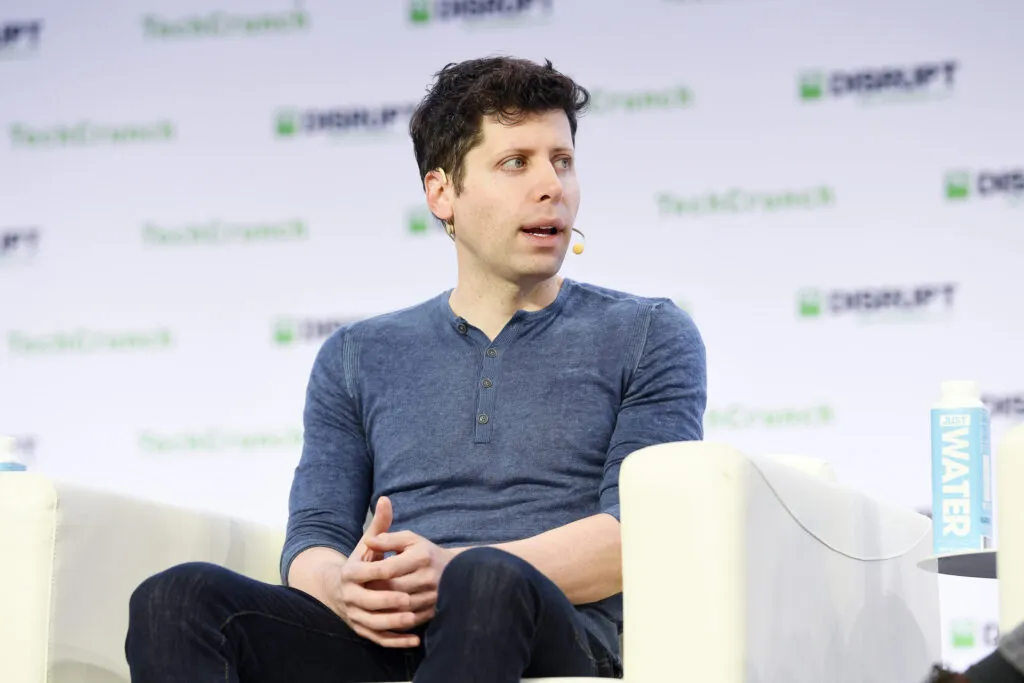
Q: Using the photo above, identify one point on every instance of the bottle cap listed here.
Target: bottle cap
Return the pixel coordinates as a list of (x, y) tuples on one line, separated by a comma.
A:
[(961, 389)]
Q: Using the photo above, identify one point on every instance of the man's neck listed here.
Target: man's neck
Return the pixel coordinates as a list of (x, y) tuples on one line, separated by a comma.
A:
[(488, 303)]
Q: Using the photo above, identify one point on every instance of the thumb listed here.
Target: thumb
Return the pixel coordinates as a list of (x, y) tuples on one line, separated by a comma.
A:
[(382, 517)]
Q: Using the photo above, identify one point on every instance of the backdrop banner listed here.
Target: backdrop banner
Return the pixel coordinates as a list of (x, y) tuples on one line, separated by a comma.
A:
[(195, 193)]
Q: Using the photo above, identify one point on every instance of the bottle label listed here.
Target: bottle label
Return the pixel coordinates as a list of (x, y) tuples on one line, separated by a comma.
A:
[(961, 480)]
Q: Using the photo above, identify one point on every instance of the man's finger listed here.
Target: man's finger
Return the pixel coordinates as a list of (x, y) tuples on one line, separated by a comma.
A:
[(387, 638), (423, 616), (394, 542), (377, 600), (423, 579), (423, 602), (381, 621), (382, 517), (386, 569)]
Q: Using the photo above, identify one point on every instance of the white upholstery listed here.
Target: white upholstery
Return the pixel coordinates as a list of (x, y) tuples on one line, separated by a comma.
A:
[(736, 569)]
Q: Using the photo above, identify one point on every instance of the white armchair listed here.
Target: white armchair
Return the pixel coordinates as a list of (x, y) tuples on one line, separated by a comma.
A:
[(735, 569)]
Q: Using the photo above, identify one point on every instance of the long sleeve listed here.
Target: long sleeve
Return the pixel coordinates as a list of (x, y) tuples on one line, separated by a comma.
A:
[(666, 396), (331, 489)]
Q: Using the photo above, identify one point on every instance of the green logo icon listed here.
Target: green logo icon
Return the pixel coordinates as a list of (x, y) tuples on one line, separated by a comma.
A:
[(287, 123), (417, 224), (812, 85), (958, 185), (809, 303), (419, 11), (962, 633), (285, 332)]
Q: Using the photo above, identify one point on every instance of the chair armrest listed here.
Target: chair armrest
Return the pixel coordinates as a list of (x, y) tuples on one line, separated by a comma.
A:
[(82, 552), (1010, 519), (742, 569)]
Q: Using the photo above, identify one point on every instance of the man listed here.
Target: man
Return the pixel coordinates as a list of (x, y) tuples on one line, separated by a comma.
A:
[(1005, 664), (485, 427)]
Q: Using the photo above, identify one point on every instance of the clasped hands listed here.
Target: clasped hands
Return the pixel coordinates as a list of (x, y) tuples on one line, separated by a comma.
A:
[(380, 597)]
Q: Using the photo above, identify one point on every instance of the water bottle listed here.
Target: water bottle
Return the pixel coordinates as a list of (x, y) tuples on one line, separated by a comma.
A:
[(9, 461), (961, 470)]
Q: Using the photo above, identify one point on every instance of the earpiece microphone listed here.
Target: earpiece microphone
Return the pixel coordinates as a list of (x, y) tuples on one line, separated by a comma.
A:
[(578, 247)]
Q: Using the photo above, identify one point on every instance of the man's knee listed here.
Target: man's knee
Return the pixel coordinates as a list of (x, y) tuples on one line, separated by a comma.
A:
[(188, 589), (483, 575)]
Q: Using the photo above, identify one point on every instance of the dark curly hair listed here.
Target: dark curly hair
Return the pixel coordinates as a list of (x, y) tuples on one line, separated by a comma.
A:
[(449, 121)]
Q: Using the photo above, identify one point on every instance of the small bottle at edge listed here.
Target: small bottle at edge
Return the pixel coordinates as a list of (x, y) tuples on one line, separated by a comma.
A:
[(961, 470), (9, 461)]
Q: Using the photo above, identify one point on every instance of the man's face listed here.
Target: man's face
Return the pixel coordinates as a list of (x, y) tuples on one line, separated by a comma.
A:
[(519, 199)]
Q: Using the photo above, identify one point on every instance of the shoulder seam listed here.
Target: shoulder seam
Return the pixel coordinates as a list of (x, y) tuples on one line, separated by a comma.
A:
[(638, 339)]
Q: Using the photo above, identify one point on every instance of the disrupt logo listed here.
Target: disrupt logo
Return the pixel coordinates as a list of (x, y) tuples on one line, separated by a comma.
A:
[(289, 123), (928, 79), (18, 244), (288, 331), (608, 101), (747, 417), (1009, 183), (217, 232), (88, 341), (426, 11), (875, 301), (1009, 405), (90, 133), (223, 24), (217, 439), (737, 201), (19, 38)]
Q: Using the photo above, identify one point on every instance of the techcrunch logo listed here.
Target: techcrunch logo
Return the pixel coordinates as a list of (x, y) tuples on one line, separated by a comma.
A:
[(291, 123), (748, 417), (423, 12), (90, 133), (962, 184), (20, 38), (1009, 405), (224, 24), (870, 302), (608, 101), (217, 439), (85, 341), (923, 80), (216, 232), (292, 331), (736, 201)]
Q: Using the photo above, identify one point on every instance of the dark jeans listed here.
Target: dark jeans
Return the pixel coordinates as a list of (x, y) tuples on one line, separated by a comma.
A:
[(497, 620)]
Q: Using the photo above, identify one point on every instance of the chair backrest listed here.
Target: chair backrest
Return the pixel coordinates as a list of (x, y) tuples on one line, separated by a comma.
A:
[(804, 463)]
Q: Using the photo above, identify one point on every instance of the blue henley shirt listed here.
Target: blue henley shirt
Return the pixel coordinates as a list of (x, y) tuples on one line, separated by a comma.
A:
[(479, 442)]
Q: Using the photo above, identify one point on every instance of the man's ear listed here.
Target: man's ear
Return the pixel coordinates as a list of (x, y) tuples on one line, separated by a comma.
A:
[(440, 191)]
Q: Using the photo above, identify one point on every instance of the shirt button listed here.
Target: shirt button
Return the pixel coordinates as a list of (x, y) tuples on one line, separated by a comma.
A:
[(462, 328), (491, 353), (487, 384), (482, 418)]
